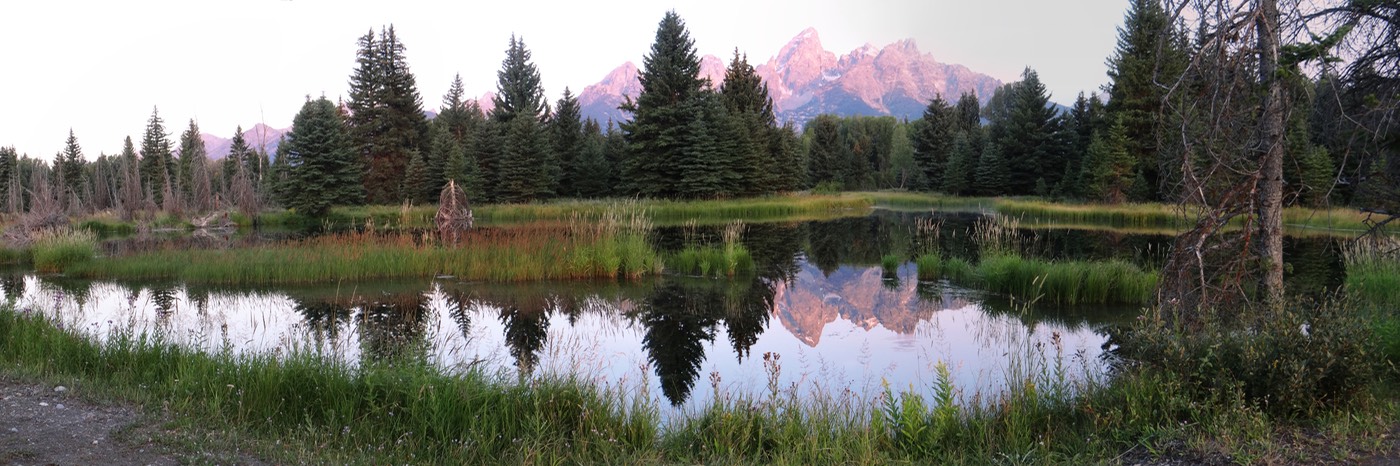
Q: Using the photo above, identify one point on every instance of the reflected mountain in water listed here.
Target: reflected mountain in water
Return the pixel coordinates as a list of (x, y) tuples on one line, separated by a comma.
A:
[(860, 295)]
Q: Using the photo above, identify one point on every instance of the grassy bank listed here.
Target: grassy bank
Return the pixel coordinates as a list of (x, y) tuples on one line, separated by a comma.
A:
[(614, 246), (300, 407), (1057, 282), (1169, 217)]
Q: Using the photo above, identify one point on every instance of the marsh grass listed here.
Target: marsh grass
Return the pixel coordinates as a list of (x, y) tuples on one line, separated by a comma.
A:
[(614, 246), (1373, 270), (406, 411), (55, 250)]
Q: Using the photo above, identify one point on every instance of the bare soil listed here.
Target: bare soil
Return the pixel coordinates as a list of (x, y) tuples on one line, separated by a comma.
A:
[(45, 425)]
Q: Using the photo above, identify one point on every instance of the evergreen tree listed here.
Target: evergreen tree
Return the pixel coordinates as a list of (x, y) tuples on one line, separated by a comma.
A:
[(526, 167), (69, 165), (969, 113), (461, 165), (130, 179), (992, 171), (747, 103), (593, 170), (1027, 136), (665, 141), (1109, 169), (415, 182), (323, 169), (194, 158), (518, 89), (824, 150), (520, 174), (790, 169), (1149, 51), (9, 170), (157, 164), (567, 136), (957, 179), (616, 152), (934, 138), (386, 115)]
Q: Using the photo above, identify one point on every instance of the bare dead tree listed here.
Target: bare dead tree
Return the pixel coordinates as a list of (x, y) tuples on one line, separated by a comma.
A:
[(1229, 109), (454, 215)]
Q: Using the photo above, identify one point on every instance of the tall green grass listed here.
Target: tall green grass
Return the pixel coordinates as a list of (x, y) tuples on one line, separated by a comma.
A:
[(611, 247), (1067, 282), (1373, 271), (55, 250), (727, 259), (406, 411)]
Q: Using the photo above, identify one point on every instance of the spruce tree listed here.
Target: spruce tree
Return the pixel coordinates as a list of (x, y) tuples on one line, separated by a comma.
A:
[(415, 182), (962, 161), (593, 170), (69, 166), (934, 138), (9, 169), (324, 170), (665, 142), (194, 158), (1027, 136), (387, 124), (566, 135), (789, 167), (157, 164), (1149, 51), (824, 149), (748, 104), (1109, 169), (616, 152), (525, 166), (992, 171)]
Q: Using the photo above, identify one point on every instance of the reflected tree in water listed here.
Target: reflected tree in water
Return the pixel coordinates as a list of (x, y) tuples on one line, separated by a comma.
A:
[(747, 318), (393, 327), (526, 330), (324, 318), (678, 322), (14, 286)]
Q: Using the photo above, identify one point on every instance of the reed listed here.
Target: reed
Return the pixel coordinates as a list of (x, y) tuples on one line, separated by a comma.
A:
[(728, 259), (1373, 271), (930, 267), (889, 266), (57, 249), (615, 246), (1066, 282), (301, 407)]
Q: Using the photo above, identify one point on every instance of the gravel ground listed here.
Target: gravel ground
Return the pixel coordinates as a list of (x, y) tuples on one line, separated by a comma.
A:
[(44, 425)]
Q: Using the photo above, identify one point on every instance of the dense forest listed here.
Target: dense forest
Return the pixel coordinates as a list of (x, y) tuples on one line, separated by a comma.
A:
[(690, 138)]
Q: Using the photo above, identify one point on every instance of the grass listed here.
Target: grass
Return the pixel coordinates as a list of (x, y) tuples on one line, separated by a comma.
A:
[(728, 259), (406, 411), (1003, 270), (614, 246), (58, 249), (1373, 271), (1156, 217), (1066, 282)]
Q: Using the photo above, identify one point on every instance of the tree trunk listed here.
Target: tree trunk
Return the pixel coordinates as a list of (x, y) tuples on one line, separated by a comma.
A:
[(1270, 147)]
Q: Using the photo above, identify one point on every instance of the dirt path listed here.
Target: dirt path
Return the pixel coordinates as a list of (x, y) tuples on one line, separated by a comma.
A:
[(45, 425)]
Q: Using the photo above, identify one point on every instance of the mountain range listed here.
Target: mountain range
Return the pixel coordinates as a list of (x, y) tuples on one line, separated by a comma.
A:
[(803, 78)]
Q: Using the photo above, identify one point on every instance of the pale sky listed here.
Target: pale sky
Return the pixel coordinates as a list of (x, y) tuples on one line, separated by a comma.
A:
[(99, 67)]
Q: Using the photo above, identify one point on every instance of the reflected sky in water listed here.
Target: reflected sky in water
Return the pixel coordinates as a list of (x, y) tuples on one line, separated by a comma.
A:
[(818, 306)]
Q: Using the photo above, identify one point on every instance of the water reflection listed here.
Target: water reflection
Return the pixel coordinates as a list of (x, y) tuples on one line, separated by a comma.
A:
[(819, 299)]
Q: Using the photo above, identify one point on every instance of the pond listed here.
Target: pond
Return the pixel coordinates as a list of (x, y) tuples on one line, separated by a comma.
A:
[(820, 317)]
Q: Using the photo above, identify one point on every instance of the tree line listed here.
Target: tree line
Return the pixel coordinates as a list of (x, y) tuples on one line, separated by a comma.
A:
[(689, 138)]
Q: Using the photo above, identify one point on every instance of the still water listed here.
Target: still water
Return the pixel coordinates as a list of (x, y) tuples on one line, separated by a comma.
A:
[(819, 318)]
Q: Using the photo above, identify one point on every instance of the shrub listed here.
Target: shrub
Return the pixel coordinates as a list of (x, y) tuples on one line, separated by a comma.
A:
[(1291, 362)]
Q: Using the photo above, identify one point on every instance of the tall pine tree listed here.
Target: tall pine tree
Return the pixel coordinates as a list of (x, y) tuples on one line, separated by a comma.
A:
[(1149, 51), (673, 134), (387, 125), (157, 164), (567, 136), (748, 104), (526, 168), (933, 139)]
